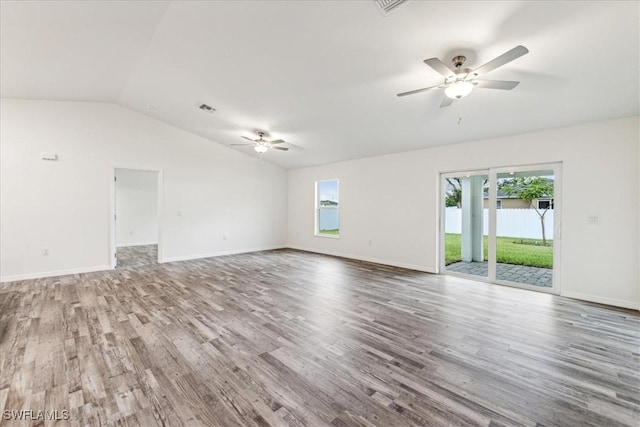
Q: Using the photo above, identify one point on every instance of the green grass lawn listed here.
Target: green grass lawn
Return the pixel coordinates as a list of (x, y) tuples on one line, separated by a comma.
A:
[(335, 232), (509, 251)]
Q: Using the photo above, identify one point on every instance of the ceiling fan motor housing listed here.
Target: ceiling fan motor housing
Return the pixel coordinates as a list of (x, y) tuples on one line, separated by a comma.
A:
[(458, 61)]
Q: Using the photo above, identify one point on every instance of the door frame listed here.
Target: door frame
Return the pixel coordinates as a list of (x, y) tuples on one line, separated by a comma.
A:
[(492, 173), (112, 210)]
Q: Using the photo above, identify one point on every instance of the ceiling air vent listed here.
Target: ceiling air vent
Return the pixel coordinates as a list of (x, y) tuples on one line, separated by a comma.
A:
[(207, 108), (386, 6)]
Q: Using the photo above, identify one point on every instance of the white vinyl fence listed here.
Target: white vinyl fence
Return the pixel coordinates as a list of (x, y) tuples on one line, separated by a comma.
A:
[(329, 219), (523, 223)]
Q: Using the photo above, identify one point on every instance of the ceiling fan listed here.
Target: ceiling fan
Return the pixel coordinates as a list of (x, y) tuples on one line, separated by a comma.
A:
[(459, 82), (261, 145)]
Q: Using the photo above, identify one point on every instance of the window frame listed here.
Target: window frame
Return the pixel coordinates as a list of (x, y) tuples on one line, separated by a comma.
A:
[(318, 208)]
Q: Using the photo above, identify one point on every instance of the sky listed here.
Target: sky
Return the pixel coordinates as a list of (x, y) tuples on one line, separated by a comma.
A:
[(328, 190)]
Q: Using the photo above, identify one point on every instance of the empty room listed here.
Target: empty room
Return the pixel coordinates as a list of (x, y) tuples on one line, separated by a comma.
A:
[(320, 213)]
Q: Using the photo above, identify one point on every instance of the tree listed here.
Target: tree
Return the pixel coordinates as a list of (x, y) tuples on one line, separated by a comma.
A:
[(529, 189), (454, 193)]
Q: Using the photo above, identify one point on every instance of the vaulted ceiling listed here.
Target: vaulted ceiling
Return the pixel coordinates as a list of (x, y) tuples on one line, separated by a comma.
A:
[(324, 75)]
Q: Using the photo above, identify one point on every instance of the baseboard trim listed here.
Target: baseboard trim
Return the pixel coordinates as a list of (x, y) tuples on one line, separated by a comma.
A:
[(29, 276), (129, 245), (601, 300), (368, 259), (220, 253)]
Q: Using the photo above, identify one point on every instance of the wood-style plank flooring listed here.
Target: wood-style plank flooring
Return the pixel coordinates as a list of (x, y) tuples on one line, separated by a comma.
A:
[(299, 339), (137, 256)]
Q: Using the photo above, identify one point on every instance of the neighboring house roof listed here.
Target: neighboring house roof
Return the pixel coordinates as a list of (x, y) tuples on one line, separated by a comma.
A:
[(503, 195)]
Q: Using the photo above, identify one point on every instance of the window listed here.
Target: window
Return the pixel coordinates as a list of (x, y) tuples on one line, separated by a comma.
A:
[(327, 209), (545, 204), (498, 204)]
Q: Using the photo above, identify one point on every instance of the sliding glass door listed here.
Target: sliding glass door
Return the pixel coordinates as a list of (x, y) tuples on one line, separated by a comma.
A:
[(502, 225)]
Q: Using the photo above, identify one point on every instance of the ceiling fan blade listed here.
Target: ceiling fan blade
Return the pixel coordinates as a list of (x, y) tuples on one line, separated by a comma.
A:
[(411, 92), (446, 102), (280, 148), (505, 58), (497, 84), (241, 144), (248, 139), (440, 67), (277, 141)]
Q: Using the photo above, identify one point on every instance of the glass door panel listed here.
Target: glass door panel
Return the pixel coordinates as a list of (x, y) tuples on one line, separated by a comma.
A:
[(466, 223), (525, 227)]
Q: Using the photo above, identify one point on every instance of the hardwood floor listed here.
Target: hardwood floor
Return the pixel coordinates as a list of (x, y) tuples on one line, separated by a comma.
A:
[(298, 339), (137, 256)]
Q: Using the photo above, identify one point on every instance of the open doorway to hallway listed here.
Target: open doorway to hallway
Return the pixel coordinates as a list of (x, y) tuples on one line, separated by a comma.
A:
[(502, 225), (136, 218)]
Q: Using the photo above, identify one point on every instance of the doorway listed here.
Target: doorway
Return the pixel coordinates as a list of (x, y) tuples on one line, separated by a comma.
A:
[(136, 218), (502, 225)]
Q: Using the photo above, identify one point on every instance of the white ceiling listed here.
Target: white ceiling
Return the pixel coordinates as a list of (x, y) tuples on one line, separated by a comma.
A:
[(323, 75)]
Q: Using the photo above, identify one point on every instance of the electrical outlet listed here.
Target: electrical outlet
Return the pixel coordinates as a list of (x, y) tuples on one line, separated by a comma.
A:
[(370, 242), (593, 220), (224, 237), (45, 251)]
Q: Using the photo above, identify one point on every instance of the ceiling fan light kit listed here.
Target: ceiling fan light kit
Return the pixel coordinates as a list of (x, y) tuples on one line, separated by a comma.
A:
[(459, 89)]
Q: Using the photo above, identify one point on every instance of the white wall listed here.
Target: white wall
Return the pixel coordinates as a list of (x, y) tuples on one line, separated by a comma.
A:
[(392, 202), (65, 205), (136, 207)]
